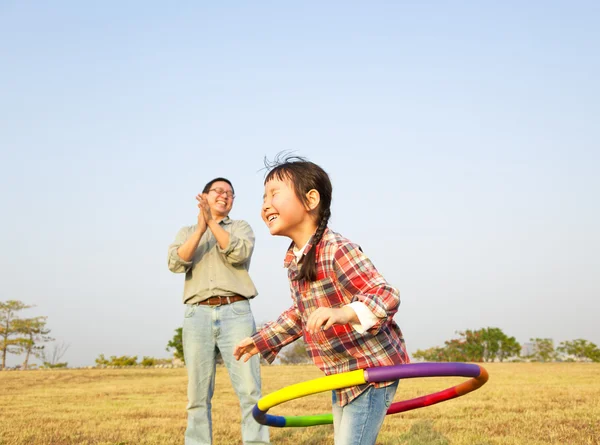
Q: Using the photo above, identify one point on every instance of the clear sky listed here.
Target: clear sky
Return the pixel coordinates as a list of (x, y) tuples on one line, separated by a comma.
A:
[(462, 140)]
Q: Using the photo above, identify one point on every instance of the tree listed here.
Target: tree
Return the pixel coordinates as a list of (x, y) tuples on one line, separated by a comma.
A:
[(124, 360), (52, 359), (435, 354), (509, 347), (581, 349), (543, 350), (176, 343), (295, 354), (10, 339), (469, 348), (482, 345), (102, 361), (497, 345), (34, 332), (152, 361)]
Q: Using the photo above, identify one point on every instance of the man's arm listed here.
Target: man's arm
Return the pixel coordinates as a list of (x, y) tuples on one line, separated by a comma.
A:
[(181, 252), (240, 244), (175, 262), (221, 235), (187, 249)]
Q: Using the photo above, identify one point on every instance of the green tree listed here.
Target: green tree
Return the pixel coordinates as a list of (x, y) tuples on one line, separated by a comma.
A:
[(11, 340), (176, 343), (124, 360), (152, 361), (34, 332), (295, 353), (581, 349), (102, 361), (509, 347), (148, 361), (543, 350), (486, 344), (497, 345), (469, 348), (434, 354)]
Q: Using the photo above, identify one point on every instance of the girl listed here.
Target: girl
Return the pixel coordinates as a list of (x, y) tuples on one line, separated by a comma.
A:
[(342, 306)]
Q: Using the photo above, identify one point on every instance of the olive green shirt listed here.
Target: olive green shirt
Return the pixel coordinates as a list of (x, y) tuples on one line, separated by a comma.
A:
[(215, 271)]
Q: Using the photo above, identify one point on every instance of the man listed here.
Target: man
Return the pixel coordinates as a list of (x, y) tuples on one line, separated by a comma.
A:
[(215, 256)]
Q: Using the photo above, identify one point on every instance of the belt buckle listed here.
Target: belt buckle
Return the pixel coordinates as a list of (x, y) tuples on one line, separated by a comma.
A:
[(221, 301)]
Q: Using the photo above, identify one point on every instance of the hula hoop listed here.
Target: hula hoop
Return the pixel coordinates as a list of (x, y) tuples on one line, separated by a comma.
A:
[(370, 375)]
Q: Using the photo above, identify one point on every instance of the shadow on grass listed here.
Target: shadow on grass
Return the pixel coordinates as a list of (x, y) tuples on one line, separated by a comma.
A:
[(303, 436), (423, 433)]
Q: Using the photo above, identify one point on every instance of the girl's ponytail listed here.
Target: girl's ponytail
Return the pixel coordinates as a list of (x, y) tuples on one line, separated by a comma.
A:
[(309, 267)]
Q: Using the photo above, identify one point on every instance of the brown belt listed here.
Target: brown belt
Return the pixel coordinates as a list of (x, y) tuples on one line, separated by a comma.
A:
[(221, 300)]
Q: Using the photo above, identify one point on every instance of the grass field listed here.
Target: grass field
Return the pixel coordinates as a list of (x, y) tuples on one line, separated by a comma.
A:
[(522, 403)]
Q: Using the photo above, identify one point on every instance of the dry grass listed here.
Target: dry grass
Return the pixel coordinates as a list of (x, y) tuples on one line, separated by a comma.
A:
[(522, 403)]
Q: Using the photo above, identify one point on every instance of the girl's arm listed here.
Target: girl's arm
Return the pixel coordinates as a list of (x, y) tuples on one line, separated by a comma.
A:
[(274, 335), (246, 349), (361, 281)]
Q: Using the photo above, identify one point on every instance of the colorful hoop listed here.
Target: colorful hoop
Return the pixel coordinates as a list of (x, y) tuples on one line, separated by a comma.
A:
[(371, 375)]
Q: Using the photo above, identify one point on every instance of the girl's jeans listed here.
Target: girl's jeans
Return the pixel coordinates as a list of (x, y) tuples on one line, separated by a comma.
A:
[(359, 422)]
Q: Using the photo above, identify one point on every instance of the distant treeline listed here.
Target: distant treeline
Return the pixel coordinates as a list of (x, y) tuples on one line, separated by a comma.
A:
[(493, 345), (26, 336)]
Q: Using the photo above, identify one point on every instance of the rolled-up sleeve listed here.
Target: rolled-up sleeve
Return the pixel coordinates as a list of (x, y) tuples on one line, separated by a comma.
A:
[(359, 277), (176, 264), (276, 334), (241, 243)]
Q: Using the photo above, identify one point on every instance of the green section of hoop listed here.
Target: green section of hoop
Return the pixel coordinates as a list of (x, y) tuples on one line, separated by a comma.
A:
[(321, 419)]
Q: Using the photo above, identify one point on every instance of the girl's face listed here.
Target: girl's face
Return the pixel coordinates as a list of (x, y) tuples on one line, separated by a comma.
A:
[(284, 214)]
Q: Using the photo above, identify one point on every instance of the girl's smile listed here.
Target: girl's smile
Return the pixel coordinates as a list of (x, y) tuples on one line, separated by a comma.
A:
[(284, 214)]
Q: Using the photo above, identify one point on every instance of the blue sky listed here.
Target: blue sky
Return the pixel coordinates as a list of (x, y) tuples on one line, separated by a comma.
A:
[(462, 141)]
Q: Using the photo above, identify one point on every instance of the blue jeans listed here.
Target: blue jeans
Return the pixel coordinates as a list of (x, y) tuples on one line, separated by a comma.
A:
[(207, 329), (359, 422)]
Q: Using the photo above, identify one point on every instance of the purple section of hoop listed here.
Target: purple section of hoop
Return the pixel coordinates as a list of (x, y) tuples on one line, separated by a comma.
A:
[(395, 372)]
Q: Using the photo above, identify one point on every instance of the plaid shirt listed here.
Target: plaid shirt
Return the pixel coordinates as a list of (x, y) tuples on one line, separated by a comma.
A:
[(344, 275)]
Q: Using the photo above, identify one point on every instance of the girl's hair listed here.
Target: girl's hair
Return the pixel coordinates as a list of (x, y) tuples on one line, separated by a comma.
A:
[(305, 176)]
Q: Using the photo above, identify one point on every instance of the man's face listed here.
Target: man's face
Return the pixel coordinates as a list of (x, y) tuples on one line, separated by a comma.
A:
[(220, 198)]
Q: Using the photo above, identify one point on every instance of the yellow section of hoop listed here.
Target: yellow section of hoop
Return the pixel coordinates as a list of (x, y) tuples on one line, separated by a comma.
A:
[(328, 383)]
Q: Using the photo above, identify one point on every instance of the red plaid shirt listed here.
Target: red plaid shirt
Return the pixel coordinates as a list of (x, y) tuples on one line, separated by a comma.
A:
[(344, 275)]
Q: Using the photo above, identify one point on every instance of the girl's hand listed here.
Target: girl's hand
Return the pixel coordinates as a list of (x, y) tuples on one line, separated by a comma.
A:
[(245, 349), (325, 317)]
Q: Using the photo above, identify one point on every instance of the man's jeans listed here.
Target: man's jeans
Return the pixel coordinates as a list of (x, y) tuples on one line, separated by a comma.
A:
[(207, 329), (359, 422)]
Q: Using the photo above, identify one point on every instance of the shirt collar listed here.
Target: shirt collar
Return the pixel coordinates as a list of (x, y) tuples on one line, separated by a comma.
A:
[(226, 220), (291, 256)]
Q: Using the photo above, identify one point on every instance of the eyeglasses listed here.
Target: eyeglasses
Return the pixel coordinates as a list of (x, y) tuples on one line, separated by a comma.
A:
[(227, 193)]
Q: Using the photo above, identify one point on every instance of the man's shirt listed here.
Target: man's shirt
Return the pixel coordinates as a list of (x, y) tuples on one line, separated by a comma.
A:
[(212, 270)]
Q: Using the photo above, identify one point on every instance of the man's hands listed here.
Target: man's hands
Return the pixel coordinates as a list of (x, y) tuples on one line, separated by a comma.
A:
[(245, 349), (325, 317), (204, 215), (187, 249)]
